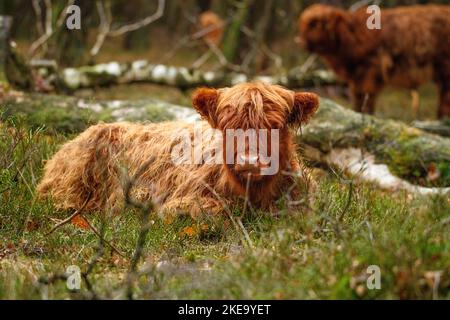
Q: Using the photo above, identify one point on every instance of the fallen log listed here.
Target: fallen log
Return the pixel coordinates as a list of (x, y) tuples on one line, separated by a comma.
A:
[(143, 71), (68, 114), (409, 154), (440, 127)]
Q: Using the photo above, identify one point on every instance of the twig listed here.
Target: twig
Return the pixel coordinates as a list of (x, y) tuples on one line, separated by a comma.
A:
[(190, 38), (145, 209), (67, 220), (91, 226), (38, 14), (369, 228), (140, 24), (49, 31), (222, 59), (202, 60), (105, 24), (93, 262), (238, 226), (106, 21), (247, 188), (129, 185)]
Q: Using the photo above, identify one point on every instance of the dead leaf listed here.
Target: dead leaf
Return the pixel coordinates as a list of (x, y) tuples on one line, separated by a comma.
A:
[(32, 225), (433, 172), (80, 222), (189, 232)]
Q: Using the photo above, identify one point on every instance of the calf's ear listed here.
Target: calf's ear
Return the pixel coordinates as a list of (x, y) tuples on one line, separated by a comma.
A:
[(204, 101), (305, 106)]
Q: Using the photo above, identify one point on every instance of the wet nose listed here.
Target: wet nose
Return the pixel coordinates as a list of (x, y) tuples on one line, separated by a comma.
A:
[(249, 158)]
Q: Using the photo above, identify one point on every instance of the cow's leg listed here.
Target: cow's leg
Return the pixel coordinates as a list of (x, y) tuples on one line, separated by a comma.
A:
[(444, 101), (364, 101)]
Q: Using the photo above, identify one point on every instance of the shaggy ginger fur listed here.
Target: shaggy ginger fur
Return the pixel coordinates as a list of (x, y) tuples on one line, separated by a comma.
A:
[(87, 169), (213, 25), (412, 47)]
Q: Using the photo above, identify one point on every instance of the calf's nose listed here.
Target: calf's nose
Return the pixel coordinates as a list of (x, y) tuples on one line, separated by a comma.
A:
[(249, 158)]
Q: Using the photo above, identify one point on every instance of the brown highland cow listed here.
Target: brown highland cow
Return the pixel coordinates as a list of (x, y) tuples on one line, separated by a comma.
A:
[(86, 172), (212, 26), (412, 47)]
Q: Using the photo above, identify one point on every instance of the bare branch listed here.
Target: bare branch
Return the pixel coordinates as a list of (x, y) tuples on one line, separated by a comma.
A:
[(49, 31), (38, 13), (67, 220), (102, 238), (140, 24), (106, 21), (105, 25)]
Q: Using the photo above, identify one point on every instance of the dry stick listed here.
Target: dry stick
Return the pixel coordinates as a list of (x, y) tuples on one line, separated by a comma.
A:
[(49, 32), (229, 213), (140, 24), (75, 214), (277, 59), (212, 48), (247, 188), (91, 226), (48, 29), (202, 60), (189, 38), (38, 14), (90, 267), (222, 59), (308, 63), (369, 228), (145, 226), (93, 262), (105, 25), (129, 184), (106, 21), (138, 252)]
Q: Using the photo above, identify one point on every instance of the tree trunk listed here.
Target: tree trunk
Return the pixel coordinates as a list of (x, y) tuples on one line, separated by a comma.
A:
[(5, 29), (13, 69), (232, 38), (256, 58)]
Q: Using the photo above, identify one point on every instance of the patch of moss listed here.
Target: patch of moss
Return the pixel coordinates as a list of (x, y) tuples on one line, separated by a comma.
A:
[(65, 119)]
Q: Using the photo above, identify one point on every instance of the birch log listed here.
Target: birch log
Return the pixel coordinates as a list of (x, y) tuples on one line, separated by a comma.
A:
[(143, 71)]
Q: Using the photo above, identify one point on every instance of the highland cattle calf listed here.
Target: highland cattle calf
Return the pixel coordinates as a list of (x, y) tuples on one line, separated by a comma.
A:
[(86, 172), (212, 26)]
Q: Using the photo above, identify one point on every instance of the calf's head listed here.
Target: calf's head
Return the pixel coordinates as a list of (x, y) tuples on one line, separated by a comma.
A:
[(255, 119), (328, 30), (322, 28)]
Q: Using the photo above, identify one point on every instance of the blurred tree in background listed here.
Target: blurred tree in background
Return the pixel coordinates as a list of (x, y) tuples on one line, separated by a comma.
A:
[(258, 34)]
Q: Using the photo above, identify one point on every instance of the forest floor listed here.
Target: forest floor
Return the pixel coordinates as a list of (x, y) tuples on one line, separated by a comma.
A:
[(320, 254)]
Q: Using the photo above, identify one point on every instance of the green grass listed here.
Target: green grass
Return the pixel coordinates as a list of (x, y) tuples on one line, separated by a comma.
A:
[(320, 254)]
